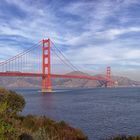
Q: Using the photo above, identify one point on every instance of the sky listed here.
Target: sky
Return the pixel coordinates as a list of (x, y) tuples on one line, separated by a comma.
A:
[(92, 34)]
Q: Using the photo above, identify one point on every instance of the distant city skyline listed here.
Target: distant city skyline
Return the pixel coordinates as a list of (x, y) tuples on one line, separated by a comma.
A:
[(93, 34)]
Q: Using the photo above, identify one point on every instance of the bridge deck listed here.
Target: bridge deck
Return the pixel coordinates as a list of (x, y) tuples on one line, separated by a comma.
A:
[(21, 74)]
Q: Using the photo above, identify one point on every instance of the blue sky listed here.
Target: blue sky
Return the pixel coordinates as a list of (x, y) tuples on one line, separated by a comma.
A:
[(91, 33)]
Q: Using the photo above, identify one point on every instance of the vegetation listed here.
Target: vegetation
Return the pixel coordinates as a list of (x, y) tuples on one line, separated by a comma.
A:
[(16, 127)]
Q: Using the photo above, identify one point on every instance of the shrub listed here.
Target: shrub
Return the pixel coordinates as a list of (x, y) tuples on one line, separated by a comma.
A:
[(29, 122), (14, 102), (6, 130)]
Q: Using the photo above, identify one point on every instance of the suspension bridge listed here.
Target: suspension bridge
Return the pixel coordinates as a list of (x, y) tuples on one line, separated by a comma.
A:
[(36, 62)]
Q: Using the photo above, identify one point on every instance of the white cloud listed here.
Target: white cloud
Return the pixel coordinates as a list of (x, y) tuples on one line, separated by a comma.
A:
[(106, 54), (133, 54), (114, 33)]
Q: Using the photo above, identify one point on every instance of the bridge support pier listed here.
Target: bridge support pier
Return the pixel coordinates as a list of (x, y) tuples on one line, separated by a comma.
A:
[(46, 65)]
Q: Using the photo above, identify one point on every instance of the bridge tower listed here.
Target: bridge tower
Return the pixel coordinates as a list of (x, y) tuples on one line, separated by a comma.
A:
[(46, 66), (108, 77)]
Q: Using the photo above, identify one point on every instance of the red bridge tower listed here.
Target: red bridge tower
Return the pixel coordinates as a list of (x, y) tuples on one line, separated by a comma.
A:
[(46, 65), (108, 77)]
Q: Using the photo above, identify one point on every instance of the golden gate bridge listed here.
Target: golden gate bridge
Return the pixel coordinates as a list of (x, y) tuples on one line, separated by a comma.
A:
[(36, 62)]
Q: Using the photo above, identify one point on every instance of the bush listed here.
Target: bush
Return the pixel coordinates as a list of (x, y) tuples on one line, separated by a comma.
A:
[(29, 122), (6, 130), (15, 103)]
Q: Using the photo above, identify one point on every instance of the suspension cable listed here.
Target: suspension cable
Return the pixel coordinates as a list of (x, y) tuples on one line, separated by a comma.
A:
[(20, 54), (65, 59)]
